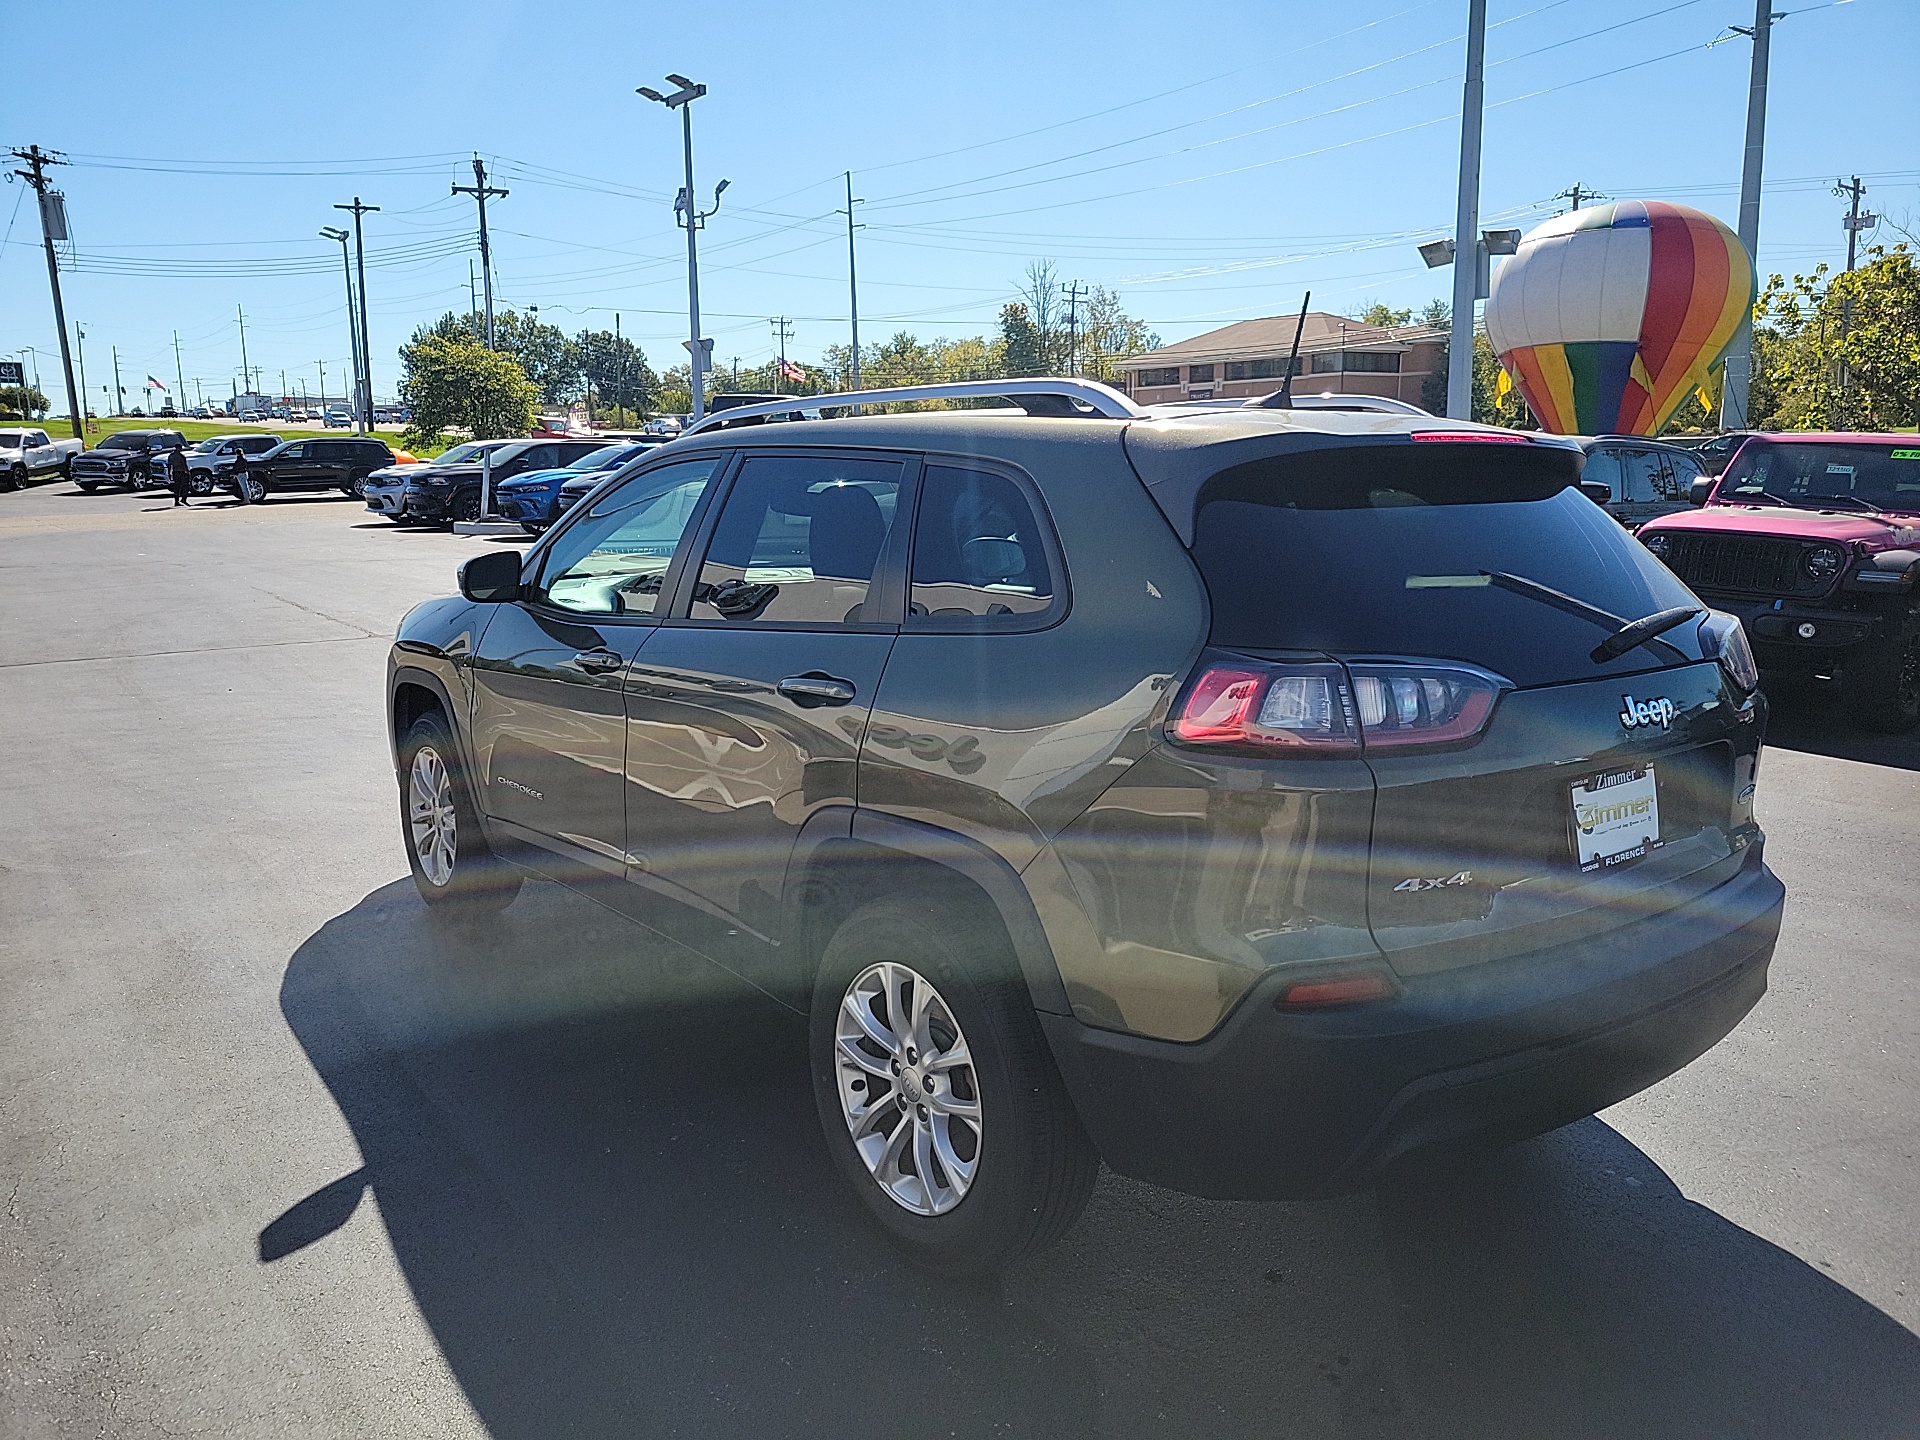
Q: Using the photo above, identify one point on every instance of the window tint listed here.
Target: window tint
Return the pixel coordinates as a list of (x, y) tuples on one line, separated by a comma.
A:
[(1640, 470), (537, 457), (1392, 550), (572, 450), (798, 540), (1603, 465), (977, 551), (256, 444), (613, 559)]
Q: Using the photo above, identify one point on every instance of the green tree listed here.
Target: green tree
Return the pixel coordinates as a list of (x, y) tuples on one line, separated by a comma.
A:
[(453, 383), (1840, 352), (1109, 335), (1379, 313), (1023, 347), (21, 402), (1437, 313), (546, 356), (617, 370)]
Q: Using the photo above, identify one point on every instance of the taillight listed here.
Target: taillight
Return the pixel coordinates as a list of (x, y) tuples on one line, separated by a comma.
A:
[(1254, 707), (1722, 639)]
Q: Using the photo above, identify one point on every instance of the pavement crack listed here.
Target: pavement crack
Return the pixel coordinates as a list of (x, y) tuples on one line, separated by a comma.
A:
[(309, 610), (359, 639)]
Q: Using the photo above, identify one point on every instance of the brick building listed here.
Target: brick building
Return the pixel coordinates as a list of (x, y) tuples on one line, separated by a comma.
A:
[(1346, 357)]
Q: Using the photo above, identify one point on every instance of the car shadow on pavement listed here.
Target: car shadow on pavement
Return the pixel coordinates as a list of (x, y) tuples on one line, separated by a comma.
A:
[(1814, 720), (597, 1161)]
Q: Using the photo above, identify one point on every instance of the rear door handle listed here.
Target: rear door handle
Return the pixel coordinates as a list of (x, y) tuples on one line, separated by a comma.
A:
[(598, 662), (815, 688)]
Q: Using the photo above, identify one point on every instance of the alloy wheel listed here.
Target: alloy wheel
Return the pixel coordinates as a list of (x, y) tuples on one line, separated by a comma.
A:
[(907, 1089), (430, 817)]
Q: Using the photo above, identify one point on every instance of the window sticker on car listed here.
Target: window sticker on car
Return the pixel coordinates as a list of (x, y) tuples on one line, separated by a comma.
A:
[(1840, 469), (1906, 454), (1616, 818)]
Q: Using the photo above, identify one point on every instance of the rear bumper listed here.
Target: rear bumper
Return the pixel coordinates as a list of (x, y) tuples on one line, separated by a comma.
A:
[(1286, 1105)]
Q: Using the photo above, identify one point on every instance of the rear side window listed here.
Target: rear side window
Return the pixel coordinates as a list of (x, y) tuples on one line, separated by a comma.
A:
[(978, 553), (798, 540), (1392, 550)]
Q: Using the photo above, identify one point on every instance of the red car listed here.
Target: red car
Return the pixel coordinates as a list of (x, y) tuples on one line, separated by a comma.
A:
[(1813, 540)]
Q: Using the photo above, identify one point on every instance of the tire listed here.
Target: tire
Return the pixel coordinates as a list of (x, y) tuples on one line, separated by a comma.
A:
[(1885, 694), (455, 872), (1032, 1165), (534, 527), (16, 478), (464, 507), (252, 490)]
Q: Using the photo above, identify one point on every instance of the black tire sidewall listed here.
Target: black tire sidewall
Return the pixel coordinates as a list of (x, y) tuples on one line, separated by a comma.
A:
[(1024, 1109), (480, 883), (1876, 697)]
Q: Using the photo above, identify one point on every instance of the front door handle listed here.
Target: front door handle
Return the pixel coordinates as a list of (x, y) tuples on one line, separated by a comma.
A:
[(815, 688), (598, 662)]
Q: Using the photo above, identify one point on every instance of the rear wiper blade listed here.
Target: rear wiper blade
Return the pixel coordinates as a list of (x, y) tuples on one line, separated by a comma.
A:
[(1646, 628), (1626, 634)]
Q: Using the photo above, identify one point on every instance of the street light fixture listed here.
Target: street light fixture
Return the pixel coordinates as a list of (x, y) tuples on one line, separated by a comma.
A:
[(691, 219), (332, 232)]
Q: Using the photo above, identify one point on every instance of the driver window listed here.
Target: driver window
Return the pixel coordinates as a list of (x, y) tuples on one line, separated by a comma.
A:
[(613, 559), (798, 540)]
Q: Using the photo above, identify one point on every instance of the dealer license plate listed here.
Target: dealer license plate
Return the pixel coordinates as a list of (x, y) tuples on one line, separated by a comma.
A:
[(1616, 818)]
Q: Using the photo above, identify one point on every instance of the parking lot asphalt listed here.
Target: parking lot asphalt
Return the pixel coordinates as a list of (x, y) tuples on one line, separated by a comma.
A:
[(282, 1155)]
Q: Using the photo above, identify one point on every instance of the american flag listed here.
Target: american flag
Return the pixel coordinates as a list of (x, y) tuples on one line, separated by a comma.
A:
[(793, 372), (153, 384)]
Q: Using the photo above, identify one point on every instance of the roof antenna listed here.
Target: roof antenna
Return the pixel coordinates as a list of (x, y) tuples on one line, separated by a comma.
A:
[(1282, 399)]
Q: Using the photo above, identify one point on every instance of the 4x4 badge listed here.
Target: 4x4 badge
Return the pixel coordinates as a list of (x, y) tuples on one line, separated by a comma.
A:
[(1659, 712), (1465, 877)]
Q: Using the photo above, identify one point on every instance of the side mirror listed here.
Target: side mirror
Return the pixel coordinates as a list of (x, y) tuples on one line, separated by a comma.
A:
[(1699, 490), (492, 578), (1598, 491)]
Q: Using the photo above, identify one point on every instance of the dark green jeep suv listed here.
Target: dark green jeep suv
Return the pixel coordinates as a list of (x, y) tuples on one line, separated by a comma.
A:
[(1245, 797)]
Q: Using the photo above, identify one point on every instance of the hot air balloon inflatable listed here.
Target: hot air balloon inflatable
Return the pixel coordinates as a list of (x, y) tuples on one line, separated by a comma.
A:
[(1607, 318)]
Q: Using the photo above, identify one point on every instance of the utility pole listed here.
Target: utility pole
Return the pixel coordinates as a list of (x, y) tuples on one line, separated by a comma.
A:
[(692, 219), (119, 395), (1074, 292), (80, 344), (1579, 192), (480, 190), (53, 226), (1738, 371), (246, 375), (782, 332), (179, 370), (1854, 224), (364, 359), (323, 389), (473, 295), (1466, 229), (853, 283)]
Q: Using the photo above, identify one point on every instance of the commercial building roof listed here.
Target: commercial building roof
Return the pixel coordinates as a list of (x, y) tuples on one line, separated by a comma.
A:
[(1273, 335)]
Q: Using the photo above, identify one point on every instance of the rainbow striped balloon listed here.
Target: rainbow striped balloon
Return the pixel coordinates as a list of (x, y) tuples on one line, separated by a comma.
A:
[(1609, 317)]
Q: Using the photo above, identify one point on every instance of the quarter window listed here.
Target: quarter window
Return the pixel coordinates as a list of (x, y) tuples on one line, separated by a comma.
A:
[(977, 552), (798, 541), (613, 560)]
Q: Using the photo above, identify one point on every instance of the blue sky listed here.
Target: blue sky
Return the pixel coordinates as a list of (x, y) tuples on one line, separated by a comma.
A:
[(1208, 163)]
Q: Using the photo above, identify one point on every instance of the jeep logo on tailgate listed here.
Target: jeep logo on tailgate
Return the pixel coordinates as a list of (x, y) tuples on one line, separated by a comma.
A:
[(1635, 713)]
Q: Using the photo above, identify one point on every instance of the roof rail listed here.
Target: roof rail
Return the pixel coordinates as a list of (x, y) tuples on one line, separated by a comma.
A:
[(1329, 401), (1036, 396)]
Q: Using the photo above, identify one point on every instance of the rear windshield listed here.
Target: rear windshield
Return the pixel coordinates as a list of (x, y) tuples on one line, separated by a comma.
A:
[(1396, 550), (1851, 476)]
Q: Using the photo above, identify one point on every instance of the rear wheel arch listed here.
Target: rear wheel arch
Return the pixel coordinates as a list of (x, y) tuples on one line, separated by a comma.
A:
[(850, 858)]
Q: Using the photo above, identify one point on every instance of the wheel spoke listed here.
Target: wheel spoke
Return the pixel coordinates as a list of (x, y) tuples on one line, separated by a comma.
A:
[(923, 1157), (857, 1008), (954, 1057), (959, 1172), (852, 1054), (947, 1103)]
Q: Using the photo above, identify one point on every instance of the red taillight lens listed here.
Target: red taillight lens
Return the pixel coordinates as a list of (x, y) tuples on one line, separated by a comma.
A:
[(1335, 990), (1402, 705), (1270, 709), (1329, 709)]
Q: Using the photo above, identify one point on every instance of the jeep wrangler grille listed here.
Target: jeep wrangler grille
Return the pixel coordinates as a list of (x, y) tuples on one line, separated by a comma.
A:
[(1739, 562)]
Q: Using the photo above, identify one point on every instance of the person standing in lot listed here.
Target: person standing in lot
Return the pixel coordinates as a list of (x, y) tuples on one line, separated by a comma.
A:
[(238, 475), (177, 478)]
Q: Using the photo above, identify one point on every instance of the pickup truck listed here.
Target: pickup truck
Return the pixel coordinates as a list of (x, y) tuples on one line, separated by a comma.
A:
[(27, 455), (127, 458)]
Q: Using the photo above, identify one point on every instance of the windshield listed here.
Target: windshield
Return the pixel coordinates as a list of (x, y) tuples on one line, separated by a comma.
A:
[(210, 447), (1405, 550), (600, 459), (1856, 476), (466, 454), (9, 442), (124, 442)]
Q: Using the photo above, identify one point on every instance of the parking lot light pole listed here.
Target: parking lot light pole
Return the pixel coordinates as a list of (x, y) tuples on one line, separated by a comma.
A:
[(691, 219), (363, 356), (331, 232), (1467, 219)]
